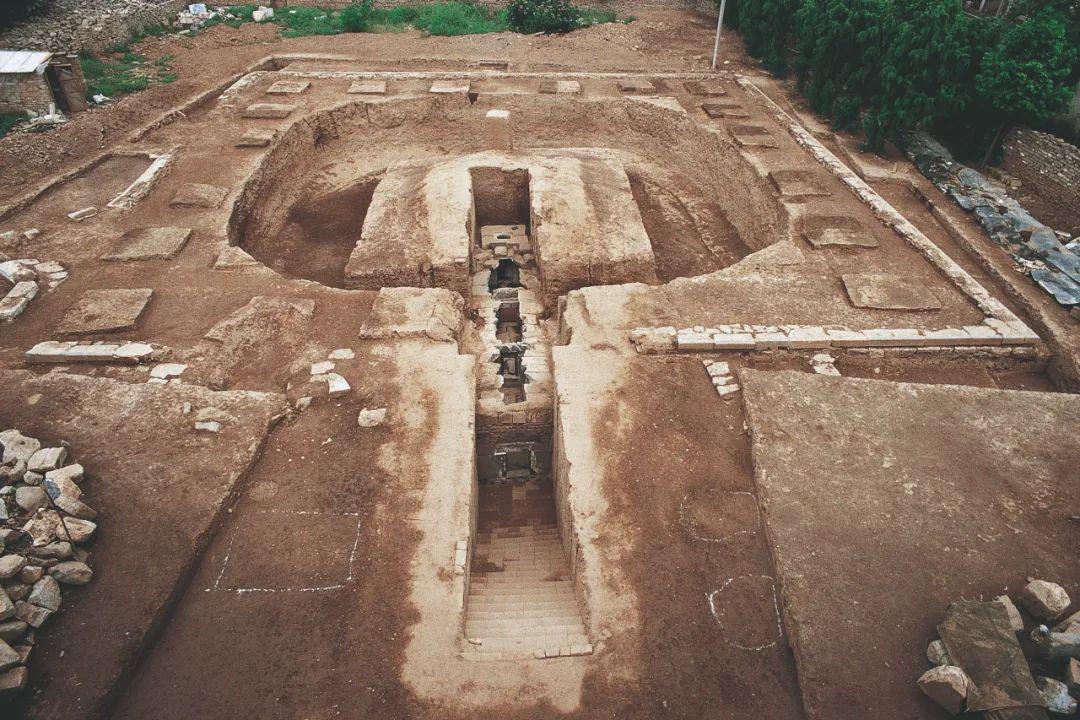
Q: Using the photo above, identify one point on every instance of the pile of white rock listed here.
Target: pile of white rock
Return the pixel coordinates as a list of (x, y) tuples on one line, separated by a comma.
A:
[(1054, 652), (26, 277), (44, 528)]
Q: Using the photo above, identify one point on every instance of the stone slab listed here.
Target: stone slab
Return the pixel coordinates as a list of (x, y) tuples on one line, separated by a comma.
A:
[(887, 501), (880, 291), (367, 87), (730, 110), (150, 476), (268, 111), (256, 138), (450, 87), (560, 87), (797, 184), (636, 86), (105, 310), (703, 88), (823, 231), (288, 87), (199, 195), (152, 243)]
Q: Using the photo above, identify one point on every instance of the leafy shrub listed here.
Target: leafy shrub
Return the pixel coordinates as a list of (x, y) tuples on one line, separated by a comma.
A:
[(548, 16), (356, 17)]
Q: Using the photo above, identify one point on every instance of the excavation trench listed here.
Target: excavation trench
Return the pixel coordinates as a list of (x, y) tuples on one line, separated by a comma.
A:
[(522, 601)]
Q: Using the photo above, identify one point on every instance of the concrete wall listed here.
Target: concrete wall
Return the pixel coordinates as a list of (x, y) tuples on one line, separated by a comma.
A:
[(1047, 164)]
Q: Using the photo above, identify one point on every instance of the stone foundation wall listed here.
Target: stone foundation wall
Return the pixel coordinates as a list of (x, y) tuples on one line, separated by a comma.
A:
[(73, 25), (1047, 164)]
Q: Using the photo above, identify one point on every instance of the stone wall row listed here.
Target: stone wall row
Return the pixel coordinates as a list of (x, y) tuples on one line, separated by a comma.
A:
[(1047, 164)]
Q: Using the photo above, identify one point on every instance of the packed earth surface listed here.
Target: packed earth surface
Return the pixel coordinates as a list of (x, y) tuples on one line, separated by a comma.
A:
[(508, 376)]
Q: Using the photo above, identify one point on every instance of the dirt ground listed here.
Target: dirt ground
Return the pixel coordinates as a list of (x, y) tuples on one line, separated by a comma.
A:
[(308, 570), (883, 520)]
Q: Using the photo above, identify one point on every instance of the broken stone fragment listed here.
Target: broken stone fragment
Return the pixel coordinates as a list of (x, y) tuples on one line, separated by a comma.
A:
[(76, 507), (10, 565), (57, 485), (79, 531), (12, 630), (168, 370), (7, 611), (322, 368), (32, 615), (210, 426), (31, 574), (1015, 620), (72, 572), (303, 403), (948, 686), (46, 594), (1045, 600), (371, 418), (342, 354), (31, 498), (937, 654), (17, 591), (83, 214), (18, 447), (73, 473), (8, 657), (1057, 645), (1056, 695), (33, 478), (337, 385), (42, 527), (13, 681), (59, 550)]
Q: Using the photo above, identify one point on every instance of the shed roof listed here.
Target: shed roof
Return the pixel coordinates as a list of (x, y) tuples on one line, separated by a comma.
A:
[(13, 62)]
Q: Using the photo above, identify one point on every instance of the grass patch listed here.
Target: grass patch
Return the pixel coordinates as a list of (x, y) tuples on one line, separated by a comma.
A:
[(120, 73), (8, 121), (445, 19)]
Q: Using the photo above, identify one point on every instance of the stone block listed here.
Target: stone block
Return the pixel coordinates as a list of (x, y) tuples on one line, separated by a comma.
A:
[(693, 342), (560, 87), (199, 195), (498, 135), (83, 214), (105, 310), (256, 138), (797, 184), (728, 110), (636, 85), (880, 291), (367, 87), (947, 337), (288, 87), (451, 87), (702, 88), (267, 111), (809, 336), (733, 341), (842, 337), (982, 335), (152, 243)]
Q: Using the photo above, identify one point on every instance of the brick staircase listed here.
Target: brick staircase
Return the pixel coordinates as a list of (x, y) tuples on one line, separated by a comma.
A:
[(521, 600)]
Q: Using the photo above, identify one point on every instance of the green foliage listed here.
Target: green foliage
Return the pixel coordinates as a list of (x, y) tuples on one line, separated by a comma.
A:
[(11, 11), (891, 66), (548, 16), (446, 19), (8, 121), (766, 27), (356, 17), (112, 75)]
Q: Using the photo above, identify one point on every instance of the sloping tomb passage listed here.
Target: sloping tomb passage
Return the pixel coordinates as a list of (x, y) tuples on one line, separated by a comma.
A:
[(521, 595)]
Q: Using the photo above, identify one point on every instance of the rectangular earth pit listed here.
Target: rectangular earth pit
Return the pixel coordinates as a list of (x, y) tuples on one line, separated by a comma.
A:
[(500, 197)]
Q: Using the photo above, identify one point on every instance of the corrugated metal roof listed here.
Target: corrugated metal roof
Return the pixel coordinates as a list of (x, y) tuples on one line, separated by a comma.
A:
[(21, 61)]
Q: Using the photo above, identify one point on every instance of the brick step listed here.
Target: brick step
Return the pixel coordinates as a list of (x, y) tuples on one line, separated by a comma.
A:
[(556, 632), (523, 587), (474, 625), (553, 590), (564, 609), (513, 578), (524, 531), (524, 626), (495, 603), (530, 645), (502, 565), (528, 574)]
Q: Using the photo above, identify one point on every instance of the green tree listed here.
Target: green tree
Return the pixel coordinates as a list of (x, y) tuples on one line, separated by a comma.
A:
[(1023, 77), (766, 27)]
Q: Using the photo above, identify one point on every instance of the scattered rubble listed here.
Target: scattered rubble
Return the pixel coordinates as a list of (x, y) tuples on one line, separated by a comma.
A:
[(824, 364), (980, 664), (371, 418), (27, 277), (1046, 255), (41, 545)]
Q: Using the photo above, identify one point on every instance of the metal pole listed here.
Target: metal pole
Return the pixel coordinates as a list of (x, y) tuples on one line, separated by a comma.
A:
[(719, 22)]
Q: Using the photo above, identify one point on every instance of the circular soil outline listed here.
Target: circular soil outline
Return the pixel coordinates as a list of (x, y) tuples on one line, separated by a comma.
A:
[(694, 526), (711, 598)]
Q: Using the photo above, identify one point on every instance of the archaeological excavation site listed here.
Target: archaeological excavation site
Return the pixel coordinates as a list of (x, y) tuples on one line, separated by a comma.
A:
[(514, 376)]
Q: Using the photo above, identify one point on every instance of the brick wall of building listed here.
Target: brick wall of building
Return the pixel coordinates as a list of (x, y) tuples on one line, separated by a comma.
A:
[(1047, 164), (28, 91)]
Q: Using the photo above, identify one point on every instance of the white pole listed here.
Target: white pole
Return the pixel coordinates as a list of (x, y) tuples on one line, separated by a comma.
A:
[(719, 22)]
